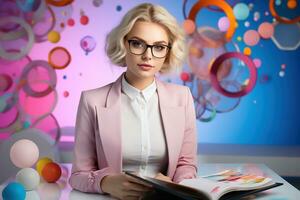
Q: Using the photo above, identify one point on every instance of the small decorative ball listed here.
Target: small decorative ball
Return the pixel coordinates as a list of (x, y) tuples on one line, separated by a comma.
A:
[(24, 153), (41, 164), (51, 172), (29, 178), (15, 191)]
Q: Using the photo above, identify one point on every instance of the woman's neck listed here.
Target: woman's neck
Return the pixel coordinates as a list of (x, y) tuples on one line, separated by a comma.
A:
[(138, 82)]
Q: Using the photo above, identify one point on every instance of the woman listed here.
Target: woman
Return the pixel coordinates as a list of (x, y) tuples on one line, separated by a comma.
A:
[(137, 122)]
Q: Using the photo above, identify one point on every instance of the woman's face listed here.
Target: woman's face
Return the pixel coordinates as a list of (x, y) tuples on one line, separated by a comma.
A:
[(141, 64)]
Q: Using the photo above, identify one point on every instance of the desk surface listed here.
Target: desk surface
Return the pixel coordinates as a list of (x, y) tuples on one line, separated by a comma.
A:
[(61, 190)]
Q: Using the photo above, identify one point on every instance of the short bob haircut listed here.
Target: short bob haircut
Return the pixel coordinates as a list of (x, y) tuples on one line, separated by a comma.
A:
[(115, 48)]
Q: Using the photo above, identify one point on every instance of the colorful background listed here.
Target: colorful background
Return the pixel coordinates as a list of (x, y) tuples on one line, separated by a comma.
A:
[(50, 53)]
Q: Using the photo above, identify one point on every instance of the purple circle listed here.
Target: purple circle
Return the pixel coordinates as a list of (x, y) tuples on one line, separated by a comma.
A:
[(215, 67)]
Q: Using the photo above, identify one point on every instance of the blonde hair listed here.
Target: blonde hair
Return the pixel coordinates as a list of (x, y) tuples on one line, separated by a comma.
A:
[(115, 48)]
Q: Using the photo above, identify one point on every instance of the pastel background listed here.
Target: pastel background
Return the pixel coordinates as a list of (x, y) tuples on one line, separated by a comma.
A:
[(267, 115)]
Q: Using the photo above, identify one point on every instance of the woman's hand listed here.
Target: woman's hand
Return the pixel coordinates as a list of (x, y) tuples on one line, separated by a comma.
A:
[(123, 186), (162, 177)]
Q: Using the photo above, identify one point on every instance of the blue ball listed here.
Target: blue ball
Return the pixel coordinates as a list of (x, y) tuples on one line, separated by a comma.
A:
[(14, 191)]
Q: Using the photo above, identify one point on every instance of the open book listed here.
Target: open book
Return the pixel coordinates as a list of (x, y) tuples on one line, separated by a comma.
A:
[(226, 185)]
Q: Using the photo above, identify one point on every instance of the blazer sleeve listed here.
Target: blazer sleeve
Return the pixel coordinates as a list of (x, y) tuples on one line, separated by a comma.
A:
[(86, 176), (187, 162)]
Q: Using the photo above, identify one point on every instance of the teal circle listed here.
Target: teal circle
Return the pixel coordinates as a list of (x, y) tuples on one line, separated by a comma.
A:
[(241, 11)]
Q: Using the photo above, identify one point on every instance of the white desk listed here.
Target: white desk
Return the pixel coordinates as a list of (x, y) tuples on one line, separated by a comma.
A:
[(61, 190)]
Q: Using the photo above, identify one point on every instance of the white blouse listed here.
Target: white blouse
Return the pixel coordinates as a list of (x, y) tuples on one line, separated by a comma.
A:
[(144, 147)]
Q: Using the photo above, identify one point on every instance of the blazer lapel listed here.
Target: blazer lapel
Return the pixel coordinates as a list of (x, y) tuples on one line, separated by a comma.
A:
[(109, 119), (173, 124)]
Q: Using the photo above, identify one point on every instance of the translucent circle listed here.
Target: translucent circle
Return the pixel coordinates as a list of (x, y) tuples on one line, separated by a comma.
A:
[(88, 44), (43, 83), (256, 16), (16, 55), (266, 30), (281, 73), (223, 24), (46, 104), (241, 11), (59, 57), (251, 37)]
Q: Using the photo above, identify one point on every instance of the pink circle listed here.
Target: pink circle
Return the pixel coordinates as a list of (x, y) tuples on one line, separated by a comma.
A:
[(66, 93), (223, 24), (185, 76), (266, 30), (71, 22), (257, 62), (24, 153), (189, 26), (251, 37)]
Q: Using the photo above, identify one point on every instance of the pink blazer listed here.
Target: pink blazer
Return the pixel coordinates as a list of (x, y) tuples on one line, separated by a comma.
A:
[(97, 150)]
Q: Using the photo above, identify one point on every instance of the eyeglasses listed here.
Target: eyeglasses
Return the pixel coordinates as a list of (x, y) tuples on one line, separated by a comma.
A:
[(138, 47)]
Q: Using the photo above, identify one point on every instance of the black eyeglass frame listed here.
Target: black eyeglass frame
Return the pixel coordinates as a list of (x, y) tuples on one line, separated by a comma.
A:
[(151, 47)]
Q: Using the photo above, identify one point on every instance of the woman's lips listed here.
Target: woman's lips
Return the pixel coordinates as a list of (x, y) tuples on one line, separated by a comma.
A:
[(145, 67)]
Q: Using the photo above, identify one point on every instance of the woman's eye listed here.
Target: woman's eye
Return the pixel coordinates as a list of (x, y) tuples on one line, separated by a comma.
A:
[(137, 44), (159, 48)]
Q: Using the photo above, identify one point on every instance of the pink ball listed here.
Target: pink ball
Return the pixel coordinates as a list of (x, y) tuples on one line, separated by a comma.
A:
[(223, 24), (266, 30), (251, 37), (24, 153)]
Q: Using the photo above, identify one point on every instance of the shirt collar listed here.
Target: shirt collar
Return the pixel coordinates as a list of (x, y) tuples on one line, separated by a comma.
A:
[(133, 92)]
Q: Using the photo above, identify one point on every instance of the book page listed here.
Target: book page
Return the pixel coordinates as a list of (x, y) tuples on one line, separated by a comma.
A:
[(217, 185)]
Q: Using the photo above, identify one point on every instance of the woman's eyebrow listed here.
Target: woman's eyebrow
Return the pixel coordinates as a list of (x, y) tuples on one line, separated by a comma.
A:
[(146, 42)]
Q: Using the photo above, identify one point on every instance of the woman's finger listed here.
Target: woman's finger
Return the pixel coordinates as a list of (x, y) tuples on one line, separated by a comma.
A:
[(134, 180)]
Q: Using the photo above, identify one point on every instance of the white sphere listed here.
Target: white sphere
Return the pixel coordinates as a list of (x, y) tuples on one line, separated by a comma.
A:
[(24, 153), (29, 178)]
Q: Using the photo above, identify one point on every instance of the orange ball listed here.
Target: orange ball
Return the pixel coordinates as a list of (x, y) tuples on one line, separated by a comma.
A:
[(51, 172)]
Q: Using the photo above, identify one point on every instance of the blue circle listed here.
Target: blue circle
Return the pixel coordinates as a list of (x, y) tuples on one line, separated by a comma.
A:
[(14, 191), (65, 77), (119, 8)]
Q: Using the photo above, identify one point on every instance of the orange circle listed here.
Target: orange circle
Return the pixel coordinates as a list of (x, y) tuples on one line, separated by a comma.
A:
[(247, 51), (279, 18), (59, 3), (221, 4), (58, 66), (292, 4)]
